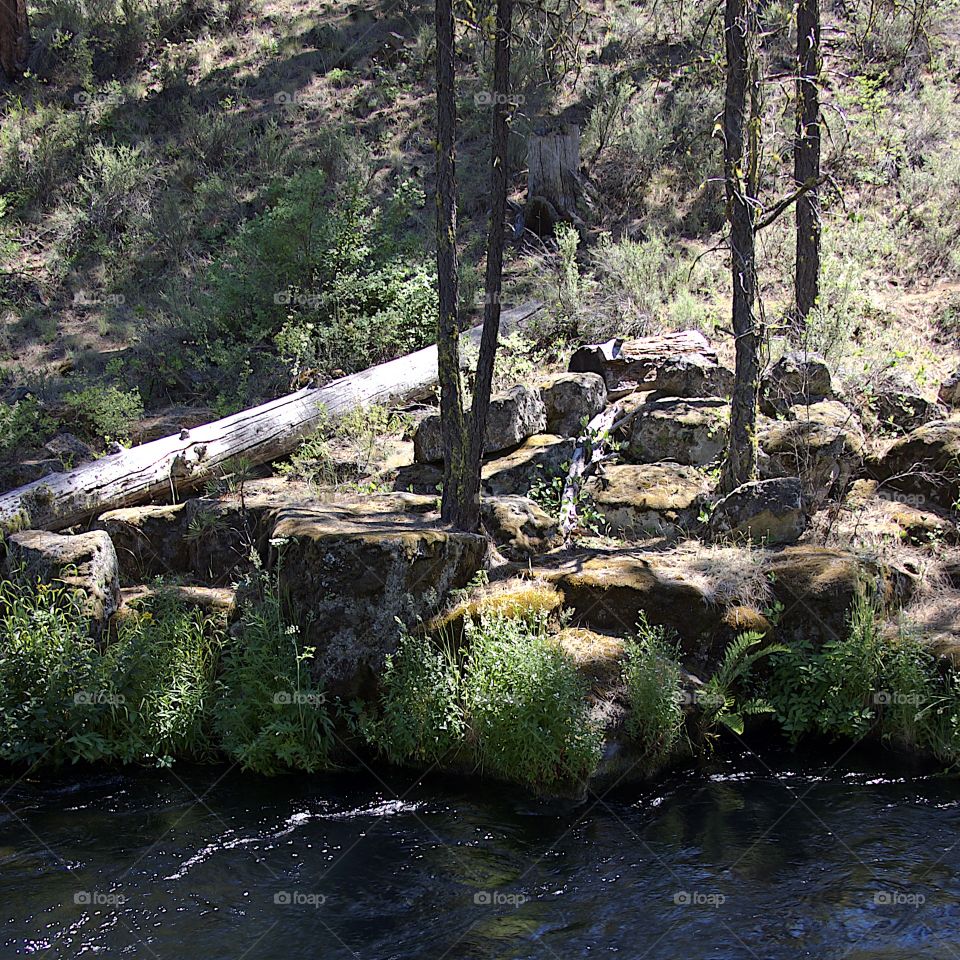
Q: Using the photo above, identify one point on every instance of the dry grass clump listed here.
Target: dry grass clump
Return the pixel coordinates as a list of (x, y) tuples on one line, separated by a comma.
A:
[(728, 576)]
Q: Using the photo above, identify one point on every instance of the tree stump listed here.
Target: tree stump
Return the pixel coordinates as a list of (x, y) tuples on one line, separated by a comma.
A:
[(553, 179)]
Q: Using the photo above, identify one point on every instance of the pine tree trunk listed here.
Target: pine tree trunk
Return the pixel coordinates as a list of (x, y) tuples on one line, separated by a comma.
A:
[(740, 174), (452, 417), (14, 37), (806, 158), (500, 133)]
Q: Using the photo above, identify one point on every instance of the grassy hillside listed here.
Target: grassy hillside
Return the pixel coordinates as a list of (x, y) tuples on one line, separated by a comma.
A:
[(204, 202)]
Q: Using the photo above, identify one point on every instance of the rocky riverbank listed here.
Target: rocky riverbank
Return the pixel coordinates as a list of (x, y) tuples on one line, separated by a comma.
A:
[(855, 506)]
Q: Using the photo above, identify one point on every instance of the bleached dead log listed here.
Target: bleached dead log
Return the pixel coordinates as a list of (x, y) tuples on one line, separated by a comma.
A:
[(171, 466)]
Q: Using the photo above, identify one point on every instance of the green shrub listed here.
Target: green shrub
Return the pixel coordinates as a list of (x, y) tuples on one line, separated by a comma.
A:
[(106, 412), (651, 675), (421, 717), (145, 698), (526, 705), (270, 716), (322, 273), (165, 661), (22, 422), (830, 690), (344, 449)]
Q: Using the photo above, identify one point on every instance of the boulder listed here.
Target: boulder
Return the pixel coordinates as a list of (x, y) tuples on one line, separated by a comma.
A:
[(822, 443), (353, 569), (797, 377), (691, 431), (650, 499), (571, 399), (683, 363), (69, 450), (765, 511), (512, 417), (896, 403), (420, 478), (507, 598), (541, 457), (926, 463), (705, 594), (949, 392), (518, 526), (598, 657), (694, 375), (150, 541), (876, 513), (84, 561)]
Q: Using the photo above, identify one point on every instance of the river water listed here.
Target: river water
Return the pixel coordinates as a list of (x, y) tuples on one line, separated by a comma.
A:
[(750, 858)]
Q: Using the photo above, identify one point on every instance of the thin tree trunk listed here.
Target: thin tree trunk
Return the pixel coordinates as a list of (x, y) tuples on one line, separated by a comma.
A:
[(500, 132), (452, 417), (806, 159), (741, 176), (14, 37)]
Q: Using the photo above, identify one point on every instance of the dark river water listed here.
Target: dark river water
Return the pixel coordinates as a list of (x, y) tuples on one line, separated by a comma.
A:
[(747, 858)]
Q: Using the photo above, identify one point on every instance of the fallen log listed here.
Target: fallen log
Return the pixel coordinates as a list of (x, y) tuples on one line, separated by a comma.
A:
[(176, 464)]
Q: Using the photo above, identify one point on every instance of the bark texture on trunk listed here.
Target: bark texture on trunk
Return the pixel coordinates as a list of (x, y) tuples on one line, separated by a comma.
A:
[(740, 174), (500, 132), (14, 37), (806, 159), (453, 421), (553, 170), (166, 468)]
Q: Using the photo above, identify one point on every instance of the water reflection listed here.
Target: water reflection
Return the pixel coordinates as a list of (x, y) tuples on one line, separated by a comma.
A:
[(738, 861)]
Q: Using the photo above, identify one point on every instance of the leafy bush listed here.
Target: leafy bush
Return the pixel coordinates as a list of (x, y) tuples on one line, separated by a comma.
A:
[(322, 272), (106, 412), (651, 675), (526, 705), (21, 421), (270, 716), (421, 715), (830, 690), (145, 698), (344, 449)]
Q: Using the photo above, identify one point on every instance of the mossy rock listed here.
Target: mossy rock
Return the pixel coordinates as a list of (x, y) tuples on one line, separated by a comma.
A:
[(649, 500), (691, 432), (510, 598)]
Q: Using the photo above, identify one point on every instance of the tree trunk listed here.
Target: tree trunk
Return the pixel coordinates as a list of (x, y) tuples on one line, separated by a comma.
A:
[(553, 171), (14, 37), (456, 438), (806, 159), (500, 133), (740, 175), (170, 466)]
